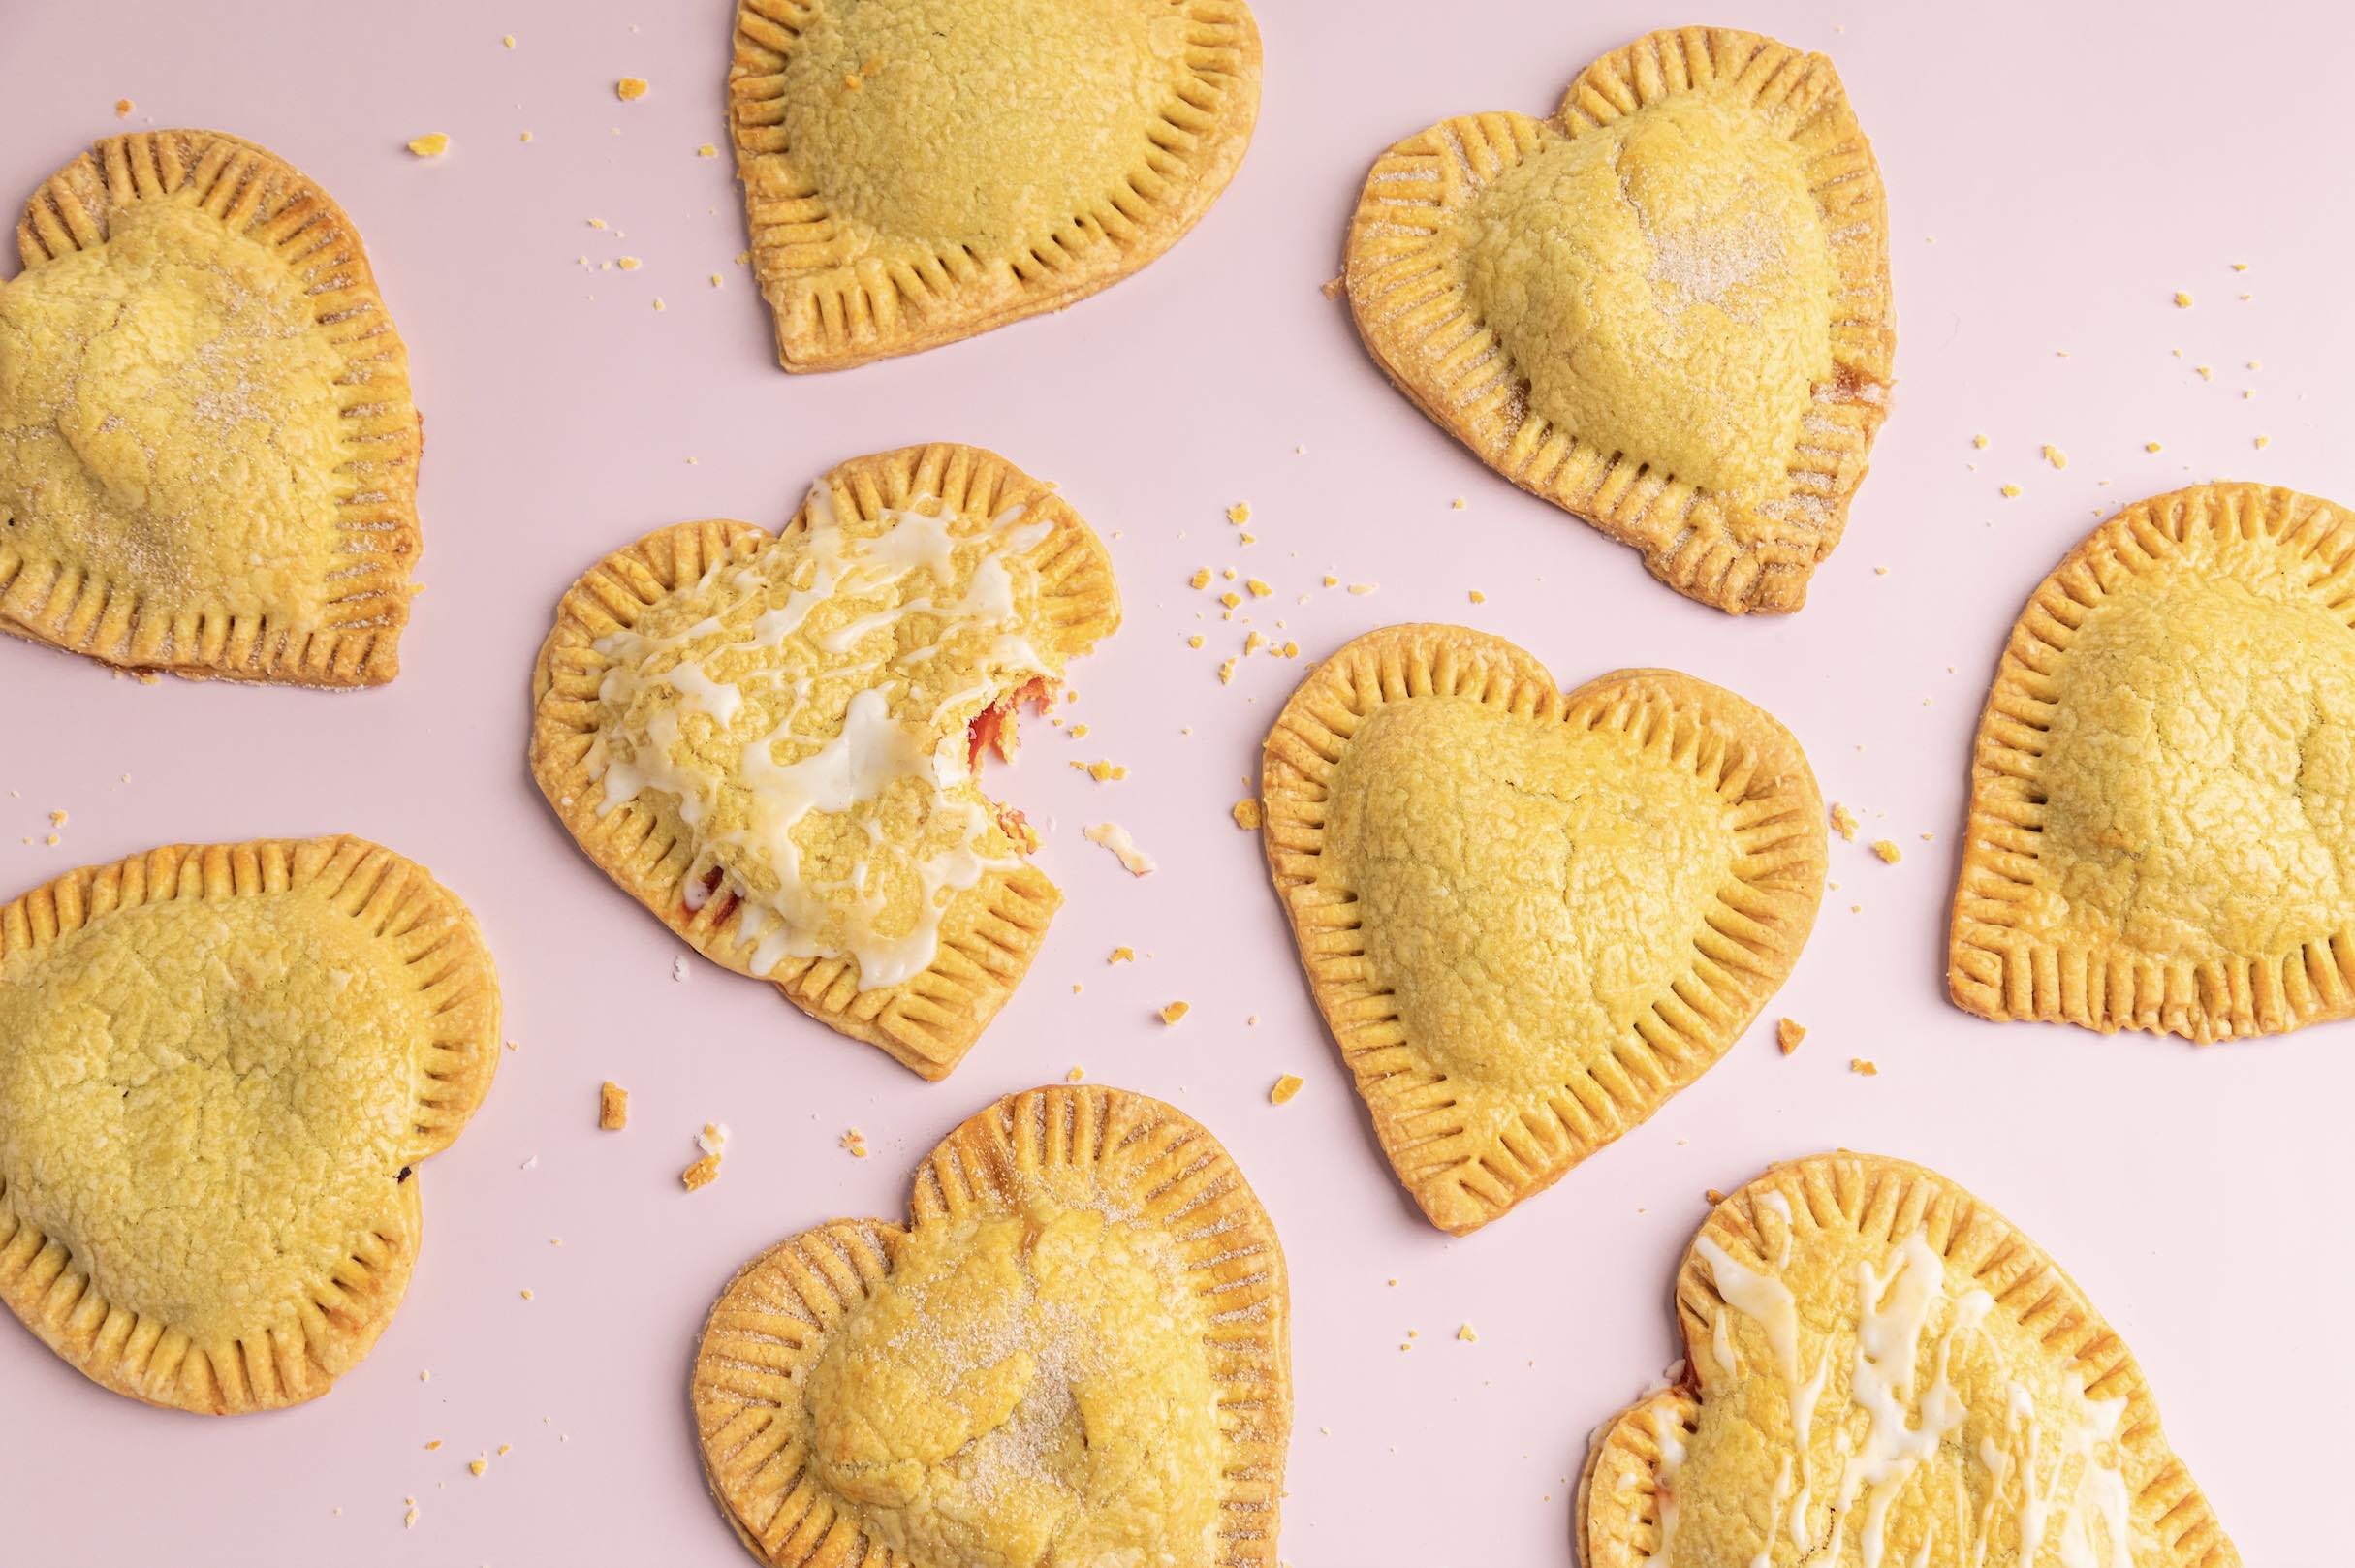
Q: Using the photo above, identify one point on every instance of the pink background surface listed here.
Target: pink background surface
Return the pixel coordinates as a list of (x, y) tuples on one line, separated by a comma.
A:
[(2054, 176)]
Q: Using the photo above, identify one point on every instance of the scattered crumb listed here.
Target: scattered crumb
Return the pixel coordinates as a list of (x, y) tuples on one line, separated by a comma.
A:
[(509, 40), (1074, 1074), (1226, 671), (2009, 491), (123, 107), (1247, 813), (432, 144), (1467, 1334), (1122, 956), (430, 1447), (1259, 590), (855, 1142), (1477, 597), (1712, 1195), (1284, 1089), (2054, 456), (2182, 300), (478, 1465), (1843, 822), (707, 150), (714, 1139), (1175, 1011), (1114, 837), (1863, 1068), (1239, 512), (1788, 1034), (613, 1107), (2264, 441), (629, 263), (1887, 851), (1364, 587), (630, 89), (409, 1520), (701, 1173), (1978, 441), (1200, 580), (2150, 446)]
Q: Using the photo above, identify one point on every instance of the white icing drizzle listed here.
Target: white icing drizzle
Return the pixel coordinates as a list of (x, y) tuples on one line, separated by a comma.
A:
[(817, 758), (1764, 1299)]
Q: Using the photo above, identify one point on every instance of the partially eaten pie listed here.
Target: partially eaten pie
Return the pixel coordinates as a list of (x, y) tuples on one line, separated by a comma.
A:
[(1666, 309), (219, 1068), (1078, 1352), (1880, 1369), (772, 741), (916, 171), (1530, 917), (2162, 817), (207, 450)]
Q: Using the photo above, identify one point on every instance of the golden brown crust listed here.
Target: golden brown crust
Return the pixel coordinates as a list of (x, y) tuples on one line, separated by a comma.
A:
[(64, 603), (395, 901), (1418, 324), (1156, 1164), (833, 309), (926, 1023), (1755, 934), (1885, 1200), (2002, 964)]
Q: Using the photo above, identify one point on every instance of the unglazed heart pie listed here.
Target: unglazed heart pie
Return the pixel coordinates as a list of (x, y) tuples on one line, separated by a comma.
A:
[(916, 171), (1880, 1368), (218, 1068), (207, 450), (1078, 1353), (773, 742), (2162, 815), (1666, 309), (1530, 917)]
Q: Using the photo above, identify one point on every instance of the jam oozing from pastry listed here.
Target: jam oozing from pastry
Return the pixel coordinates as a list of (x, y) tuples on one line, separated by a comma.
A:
[(814, 714), (1027, 1390)]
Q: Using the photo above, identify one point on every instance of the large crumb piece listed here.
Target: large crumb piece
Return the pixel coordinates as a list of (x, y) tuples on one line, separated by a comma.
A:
[(432, 144), (701, 1173), (1887, 851), (613, 1107), (1114, 837), (853, 1143), (1843, 822), (1284, 1089), (1863, 1068), (1788, 1034), (1247, 813), (1175, 1011), (630, 89)]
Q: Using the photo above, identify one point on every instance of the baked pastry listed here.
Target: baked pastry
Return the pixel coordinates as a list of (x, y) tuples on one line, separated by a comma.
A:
[(916, 171), (773, 742), (1666, 309), (219, 1068), (1528, 917), (1078, 1352), (207, 450), (1880, 1369), (2162, 808)]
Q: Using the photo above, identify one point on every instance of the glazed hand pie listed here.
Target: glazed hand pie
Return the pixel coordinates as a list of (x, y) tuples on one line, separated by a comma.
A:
[(1880, 1369), (919, 171), (1666, 309), (1528, 917), (218, 1069), (207, 450), (2162, 817), (1078, 1353), (773, 742)]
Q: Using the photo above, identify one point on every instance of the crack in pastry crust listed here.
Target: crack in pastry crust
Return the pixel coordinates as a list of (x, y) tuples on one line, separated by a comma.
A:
[(1472, 308), (1530, 917), (1082, 139), (209, 462), (1880, 1368), (792, 791), (218, 1068), (2163, 820), (1079, 1350)]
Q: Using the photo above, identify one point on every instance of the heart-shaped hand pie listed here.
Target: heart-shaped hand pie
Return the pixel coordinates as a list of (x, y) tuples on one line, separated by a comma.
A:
[(773, 742), (207, 452), (916, 171), (1528, 917), (1881, 1369), (1078, 1353), (1666, 309), (2162, 815), (217, 1068)]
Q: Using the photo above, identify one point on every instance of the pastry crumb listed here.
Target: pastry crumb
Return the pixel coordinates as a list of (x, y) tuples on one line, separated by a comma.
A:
[(1175, 1011), (123, 107), (1226, 671), (2009, 492), (707, 150), (630, 89), (1074, 1074), (2054, 456), (1122, 956), (629, 263), (1863, 1068), (1788, 1034), (1979, 441), (1889, 853), (854, 1144), (432, 144), (714, 1139), (430, 1447), (701, 1173), (1239, 512), (1330, 289), (1467, 1334), (1200, 580), (1843, 822), (1114, 837), (1364, 587), (1477, 597), (1284, 1088), (1712, 1195), (2182, 300), (2264, 441), (2152, 446), (1245, 812)]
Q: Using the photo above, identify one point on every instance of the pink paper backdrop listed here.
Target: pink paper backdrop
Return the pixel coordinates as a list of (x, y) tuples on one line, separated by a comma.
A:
[(2056, 174)]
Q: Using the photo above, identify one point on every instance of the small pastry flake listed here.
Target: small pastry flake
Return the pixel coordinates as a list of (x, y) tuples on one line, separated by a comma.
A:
[(1530, 917), (1666, 309), (2163, 789), (1880, 1369), (1079, 1352), (773, 741), (916, 171), (207, 450), (219, 1068)]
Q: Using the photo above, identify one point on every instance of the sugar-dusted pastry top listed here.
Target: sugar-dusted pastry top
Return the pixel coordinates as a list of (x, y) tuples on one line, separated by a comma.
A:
[(1078, 1352), (2163, 800), (806, 710), (1881, 1370), (1665, 283), (218, 1069)]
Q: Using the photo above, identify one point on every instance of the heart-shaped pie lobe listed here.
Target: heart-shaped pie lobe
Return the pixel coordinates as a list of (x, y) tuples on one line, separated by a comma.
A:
[(207, 450), (773, 742), (1078, 1353), (1666, 309), (916, 171), (1880, 1369), (2163, 821), (217, 1069), (1528, 917)]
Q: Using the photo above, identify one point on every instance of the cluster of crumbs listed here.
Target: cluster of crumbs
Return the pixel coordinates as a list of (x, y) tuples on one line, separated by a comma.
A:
[(613, 1107), (1284, 1089), (854, 1144), (1103, 770), (713, 1142), (1843, 822), (1788, 1034)]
